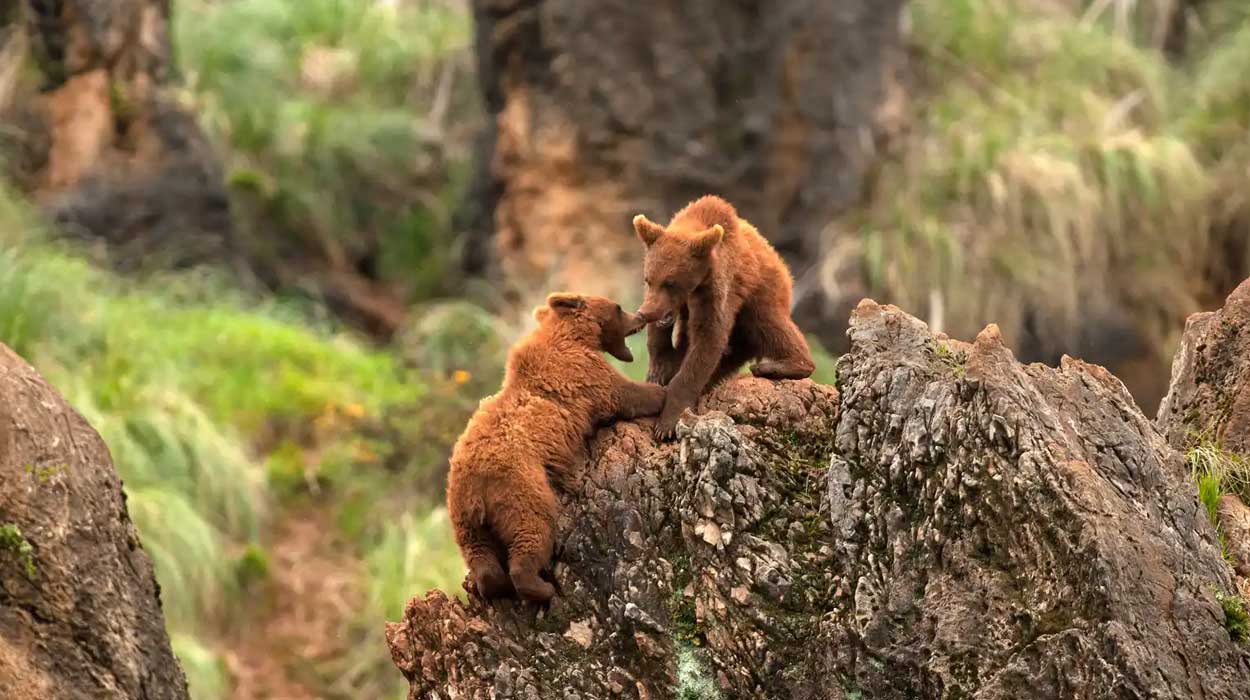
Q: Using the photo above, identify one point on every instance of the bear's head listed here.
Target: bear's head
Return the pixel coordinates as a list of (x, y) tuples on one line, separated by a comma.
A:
[(600, 323), (678, 260)]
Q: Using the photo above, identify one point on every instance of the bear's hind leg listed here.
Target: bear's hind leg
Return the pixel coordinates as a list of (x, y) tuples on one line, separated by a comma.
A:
[(525, 521), (481, 551), (784, 348), (482, 559)]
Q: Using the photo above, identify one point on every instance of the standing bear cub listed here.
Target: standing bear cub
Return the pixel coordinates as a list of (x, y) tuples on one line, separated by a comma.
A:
[(556, 389), (717, 295)]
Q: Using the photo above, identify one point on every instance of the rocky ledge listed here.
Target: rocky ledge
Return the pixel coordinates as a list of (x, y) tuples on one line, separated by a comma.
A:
[(946, 523)]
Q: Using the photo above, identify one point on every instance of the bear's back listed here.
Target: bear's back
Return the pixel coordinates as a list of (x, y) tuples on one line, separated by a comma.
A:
[(561, 370), (553, 393), (514, 427)]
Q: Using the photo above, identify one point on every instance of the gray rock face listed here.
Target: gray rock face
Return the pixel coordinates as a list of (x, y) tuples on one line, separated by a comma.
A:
[(1015, 531), (599, 110), (80, 612), (717, 549), (1234, 519), (1210, 388), (949, 523)]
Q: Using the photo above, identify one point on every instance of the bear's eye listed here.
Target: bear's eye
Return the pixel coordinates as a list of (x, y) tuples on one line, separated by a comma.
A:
[(669, 286)]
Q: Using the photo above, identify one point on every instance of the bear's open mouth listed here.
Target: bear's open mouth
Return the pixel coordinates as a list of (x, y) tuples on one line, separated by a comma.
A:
[(666, 322)]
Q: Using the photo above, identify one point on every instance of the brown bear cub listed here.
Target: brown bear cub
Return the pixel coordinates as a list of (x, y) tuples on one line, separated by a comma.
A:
[(717, 295), (556, 389)]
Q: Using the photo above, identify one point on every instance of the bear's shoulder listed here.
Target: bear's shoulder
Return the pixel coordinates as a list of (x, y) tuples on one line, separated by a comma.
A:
[(556, 371)]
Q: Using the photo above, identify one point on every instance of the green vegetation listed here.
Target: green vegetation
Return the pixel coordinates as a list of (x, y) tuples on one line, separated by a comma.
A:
[(1236, 619), (1055, 155), (1217, 471), (195, 389), (956, 360), (409, 556), (344, 126), (694, 682), (18, 548), (1060, 158), (1209, 492), (207, 675), (686, 628), (346, 123), (1224, 470)]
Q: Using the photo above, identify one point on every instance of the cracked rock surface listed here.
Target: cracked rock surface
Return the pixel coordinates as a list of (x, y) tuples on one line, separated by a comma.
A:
[(1210, 388), (717, 547), (1208, 403), (80, 612), (1009, 531), (946, 523)]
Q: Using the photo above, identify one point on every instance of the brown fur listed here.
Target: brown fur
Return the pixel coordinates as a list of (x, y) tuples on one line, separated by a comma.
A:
[(557, 388), (717, 296)]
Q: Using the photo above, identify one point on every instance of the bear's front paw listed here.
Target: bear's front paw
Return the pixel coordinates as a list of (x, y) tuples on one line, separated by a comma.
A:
[(666, 426)]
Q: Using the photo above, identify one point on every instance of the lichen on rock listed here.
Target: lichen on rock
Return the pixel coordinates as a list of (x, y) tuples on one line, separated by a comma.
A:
[(80, 611), (717, 544), (1017, 531), (946, 523)]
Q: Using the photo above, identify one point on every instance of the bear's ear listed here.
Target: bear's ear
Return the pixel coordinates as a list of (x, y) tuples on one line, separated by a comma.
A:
[(563, 302), (648, 231), (705, 241), (541, 312)]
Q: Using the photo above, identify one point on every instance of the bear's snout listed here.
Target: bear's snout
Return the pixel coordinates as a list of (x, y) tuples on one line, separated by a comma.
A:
[(634, 323)]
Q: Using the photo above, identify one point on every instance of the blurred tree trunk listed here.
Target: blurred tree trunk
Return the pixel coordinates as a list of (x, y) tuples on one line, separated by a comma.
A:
[(99, 141), (1176, 32), (602, 110)]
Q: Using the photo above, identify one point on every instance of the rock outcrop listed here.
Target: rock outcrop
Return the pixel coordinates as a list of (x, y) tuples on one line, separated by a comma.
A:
[(80, 613), (1208, 407), (948, 523), (1210, 389), (1011, 531), (717, 549), (600, 111), (96, 135)]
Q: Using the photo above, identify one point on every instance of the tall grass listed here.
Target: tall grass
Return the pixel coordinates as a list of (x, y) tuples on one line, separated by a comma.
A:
[(406, 557), (187, 384), (345, 122), (1058, 167), (1217, 472), (1223, 470)]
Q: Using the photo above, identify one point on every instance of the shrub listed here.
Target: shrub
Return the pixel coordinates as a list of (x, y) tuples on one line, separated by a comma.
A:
[(189, 385), (1236, 619), (346, 124), (1052, 168)]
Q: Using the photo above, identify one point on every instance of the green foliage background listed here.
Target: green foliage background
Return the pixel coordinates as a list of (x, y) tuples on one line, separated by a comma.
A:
[(1046, 142)]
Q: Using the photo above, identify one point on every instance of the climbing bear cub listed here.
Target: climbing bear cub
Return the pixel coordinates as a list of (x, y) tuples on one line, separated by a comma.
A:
[(557, 388), (717, 295)]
